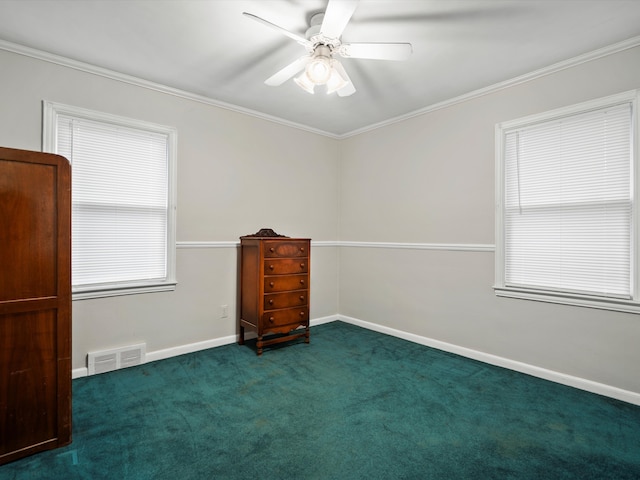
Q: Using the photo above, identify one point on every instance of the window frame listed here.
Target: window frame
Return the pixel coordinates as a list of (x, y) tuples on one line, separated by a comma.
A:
[(51, 112), (567, 298)]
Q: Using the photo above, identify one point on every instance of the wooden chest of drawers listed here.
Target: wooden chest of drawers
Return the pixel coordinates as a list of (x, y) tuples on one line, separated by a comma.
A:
[(274, 287)]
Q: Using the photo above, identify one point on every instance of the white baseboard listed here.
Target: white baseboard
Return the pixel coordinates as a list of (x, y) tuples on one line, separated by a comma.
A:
[(557, 377), (195, 347), (190, 348), (321, 320), (172, 352), (80, 372)]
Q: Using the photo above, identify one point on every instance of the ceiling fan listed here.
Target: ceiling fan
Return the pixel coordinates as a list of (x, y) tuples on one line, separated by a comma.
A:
[(322, 42)]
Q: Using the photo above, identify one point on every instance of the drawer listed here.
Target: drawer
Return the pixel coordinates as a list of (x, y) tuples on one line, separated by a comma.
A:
[(286, 282), (285, 266), (285, 300), (288, 316), (285, 249)]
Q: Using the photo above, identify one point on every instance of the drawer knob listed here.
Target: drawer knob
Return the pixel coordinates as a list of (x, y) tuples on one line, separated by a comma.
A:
[(270, 302), (302, 282), (302, 314), (302, 297), (271, 267), (271, 284), (272, 249), (271, 319), (302, 249), (302, 265)]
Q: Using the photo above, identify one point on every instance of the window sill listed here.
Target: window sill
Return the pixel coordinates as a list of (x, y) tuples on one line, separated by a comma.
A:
[(116, 291), (615, 304)]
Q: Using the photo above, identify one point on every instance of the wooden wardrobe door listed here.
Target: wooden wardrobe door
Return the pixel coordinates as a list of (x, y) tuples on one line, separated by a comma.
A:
[(35, 302)]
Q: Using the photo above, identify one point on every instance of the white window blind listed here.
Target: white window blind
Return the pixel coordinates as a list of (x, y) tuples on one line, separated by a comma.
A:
[(121, 204), (568, 211)]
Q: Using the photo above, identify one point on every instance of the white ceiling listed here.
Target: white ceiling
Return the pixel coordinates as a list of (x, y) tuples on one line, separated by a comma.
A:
[(210, 49)]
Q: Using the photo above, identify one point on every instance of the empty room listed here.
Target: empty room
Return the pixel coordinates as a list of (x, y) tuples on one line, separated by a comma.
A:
[(319, 239)]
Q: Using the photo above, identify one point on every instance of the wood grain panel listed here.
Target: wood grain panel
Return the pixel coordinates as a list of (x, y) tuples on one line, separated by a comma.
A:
[(35, 303), (27, 230), (28, 363)]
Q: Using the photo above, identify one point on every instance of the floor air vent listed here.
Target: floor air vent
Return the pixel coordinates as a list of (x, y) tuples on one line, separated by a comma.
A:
[(108, 360)]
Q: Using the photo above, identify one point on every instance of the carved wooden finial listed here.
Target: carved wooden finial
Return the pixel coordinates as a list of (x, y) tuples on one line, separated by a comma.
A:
[(266, 232)]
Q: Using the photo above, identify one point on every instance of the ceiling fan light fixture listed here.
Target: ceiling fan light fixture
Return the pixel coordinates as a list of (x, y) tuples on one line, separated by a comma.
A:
[(305, 83), (336, 81), (319, 68), (323, 40)]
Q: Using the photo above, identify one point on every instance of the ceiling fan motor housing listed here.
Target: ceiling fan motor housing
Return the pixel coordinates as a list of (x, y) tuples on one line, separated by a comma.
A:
[(314, 35)]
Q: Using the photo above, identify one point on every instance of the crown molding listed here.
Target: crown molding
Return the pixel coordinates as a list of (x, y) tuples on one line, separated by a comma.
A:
[(527, 77), (140, 82), (121, 77)]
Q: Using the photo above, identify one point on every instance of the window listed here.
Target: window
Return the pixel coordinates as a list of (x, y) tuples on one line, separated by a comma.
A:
[(123, 200), (566, 214)]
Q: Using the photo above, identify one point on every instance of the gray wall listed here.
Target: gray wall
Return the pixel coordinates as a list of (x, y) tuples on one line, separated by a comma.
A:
[(236, 174), (427, 180), (430, 180)]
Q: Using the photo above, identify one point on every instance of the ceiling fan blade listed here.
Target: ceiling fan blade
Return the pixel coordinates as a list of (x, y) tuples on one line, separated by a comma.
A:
[(296, 37), (337, 16), (287, 72), (348, 89), (376, 51)]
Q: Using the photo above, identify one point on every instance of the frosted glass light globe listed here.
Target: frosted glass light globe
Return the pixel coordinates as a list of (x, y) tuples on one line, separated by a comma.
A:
[(319, 70)]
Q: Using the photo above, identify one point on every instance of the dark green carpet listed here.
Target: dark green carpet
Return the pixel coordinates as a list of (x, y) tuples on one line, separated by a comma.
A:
[(353, 404)]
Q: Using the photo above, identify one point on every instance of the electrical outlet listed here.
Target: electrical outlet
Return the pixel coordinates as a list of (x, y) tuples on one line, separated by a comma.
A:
[(224, 309)]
